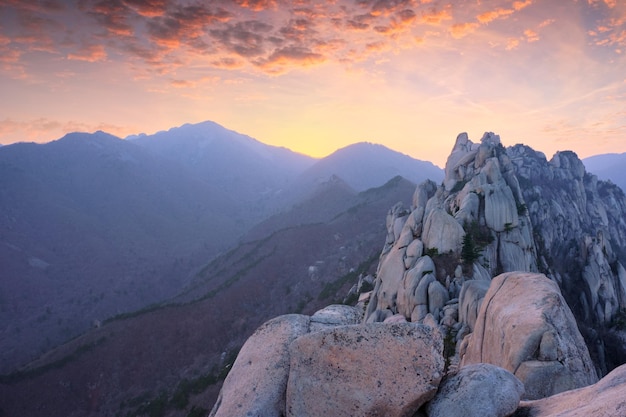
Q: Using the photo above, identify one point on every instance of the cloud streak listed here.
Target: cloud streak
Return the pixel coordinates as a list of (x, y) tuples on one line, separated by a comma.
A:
[(266, 35)]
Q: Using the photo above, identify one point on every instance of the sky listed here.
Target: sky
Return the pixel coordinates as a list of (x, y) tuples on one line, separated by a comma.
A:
[(315, 76)]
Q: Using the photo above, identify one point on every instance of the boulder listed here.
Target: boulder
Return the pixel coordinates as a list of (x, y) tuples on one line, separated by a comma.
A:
[(374, 369), (470, 299), (256, 384), (525, 327), (335, 315), (606, 398), (443, 232), (500, 207), (476, 391), (413, 252), (437, 297)]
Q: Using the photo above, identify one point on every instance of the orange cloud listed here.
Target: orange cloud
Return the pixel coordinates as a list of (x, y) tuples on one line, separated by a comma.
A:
[(257, 5), (148, 8), (493, 15), (288, 56), (531, 35), (91, 53), (519, 5), (376, 46), (460, 30), (512, 43), (435, 17)]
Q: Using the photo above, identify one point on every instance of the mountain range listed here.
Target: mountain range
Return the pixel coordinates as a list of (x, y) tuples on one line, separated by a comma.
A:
[(94, 226), (120, 256)]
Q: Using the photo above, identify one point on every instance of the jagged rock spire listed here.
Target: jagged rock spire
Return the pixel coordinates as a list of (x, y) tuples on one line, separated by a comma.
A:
[(479, 204)]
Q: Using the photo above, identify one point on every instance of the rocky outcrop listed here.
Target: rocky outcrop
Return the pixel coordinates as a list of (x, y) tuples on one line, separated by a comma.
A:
[(257, 382), (375, 369), (500, 210), (525, 326), (477, 391), (503, 213), (472, 227), (607, 398), (471, 298), (297, 365), (580, 226), (335, 315)]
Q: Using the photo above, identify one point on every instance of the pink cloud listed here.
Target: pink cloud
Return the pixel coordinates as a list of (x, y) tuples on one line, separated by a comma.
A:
[(148, 8), (531, 35), (288, 56), (435, 17), (257, 5), (494, 14), (460, 30), (91, 53)]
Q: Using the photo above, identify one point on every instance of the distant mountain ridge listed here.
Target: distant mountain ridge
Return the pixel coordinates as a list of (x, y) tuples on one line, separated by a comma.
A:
[(307, 260), (608, 167), (363, 165), (92, 225)]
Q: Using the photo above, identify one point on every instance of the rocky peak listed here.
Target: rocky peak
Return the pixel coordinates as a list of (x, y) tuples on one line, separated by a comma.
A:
[(461, 265), (474, 226), (500, 210), (579, 224)]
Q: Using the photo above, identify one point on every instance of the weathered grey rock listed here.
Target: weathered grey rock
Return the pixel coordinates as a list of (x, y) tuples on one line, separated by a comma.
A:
[(470, 299), (477, 391), (443, 232), (390, 273), (413, 253), (575, 216), (500, 207), (437, 297), (335, 315), (469, 208), (367, 370), (607, 398), (257, 382), (523, 320)]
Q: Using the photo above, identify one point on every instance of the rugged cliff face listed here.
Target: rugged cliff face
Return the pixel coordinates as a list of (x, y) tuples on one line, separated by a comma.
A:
[(474, 226), (500, 210), (579, 228), (500, 266)]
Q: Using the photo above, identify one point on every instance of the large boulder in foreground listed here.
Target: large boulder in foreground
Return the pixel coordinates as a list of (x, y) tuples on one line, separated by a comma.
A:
[(375, 369), (607, 398), (525, 326), (476, 391), (257, 382)]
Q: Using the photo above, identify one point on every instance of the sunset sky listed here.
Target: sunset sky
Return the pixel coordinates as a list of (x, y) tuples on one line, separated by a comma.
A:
[(315, 76)]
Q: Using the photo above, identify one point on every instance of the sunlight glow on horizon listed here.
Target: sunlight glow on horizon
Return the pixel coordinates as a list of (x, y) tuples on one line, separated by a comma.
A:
[(317, 76)]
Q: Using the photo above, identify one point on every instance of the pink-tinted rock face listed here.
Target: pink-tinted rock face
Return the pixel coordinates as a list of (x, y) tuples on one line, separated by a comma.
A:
[(525, 327), (606, 398), (256, 384), (376, 369)]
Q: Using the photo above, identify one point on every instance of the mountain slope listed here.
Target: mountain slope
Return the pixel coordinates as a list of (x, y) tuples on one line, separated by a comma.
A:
[(608, 167), (92, 226), (142, 361), (251, 172), (366, 165)]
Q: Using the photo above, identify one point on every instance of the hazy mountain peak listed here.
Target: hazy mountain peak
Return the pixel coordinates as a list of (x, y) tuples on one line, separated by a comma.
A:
[(608, 166), (366, 165)]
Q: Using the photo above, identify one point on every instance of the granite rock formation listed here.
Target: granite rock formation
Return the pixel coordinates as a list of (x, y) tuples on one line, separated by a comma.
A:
[(525, 327), (550, 233)]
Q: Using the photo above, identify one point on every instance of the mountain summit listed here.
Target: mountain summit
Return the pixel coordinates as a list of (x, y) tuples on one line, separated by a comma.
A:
[(487, 277)]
